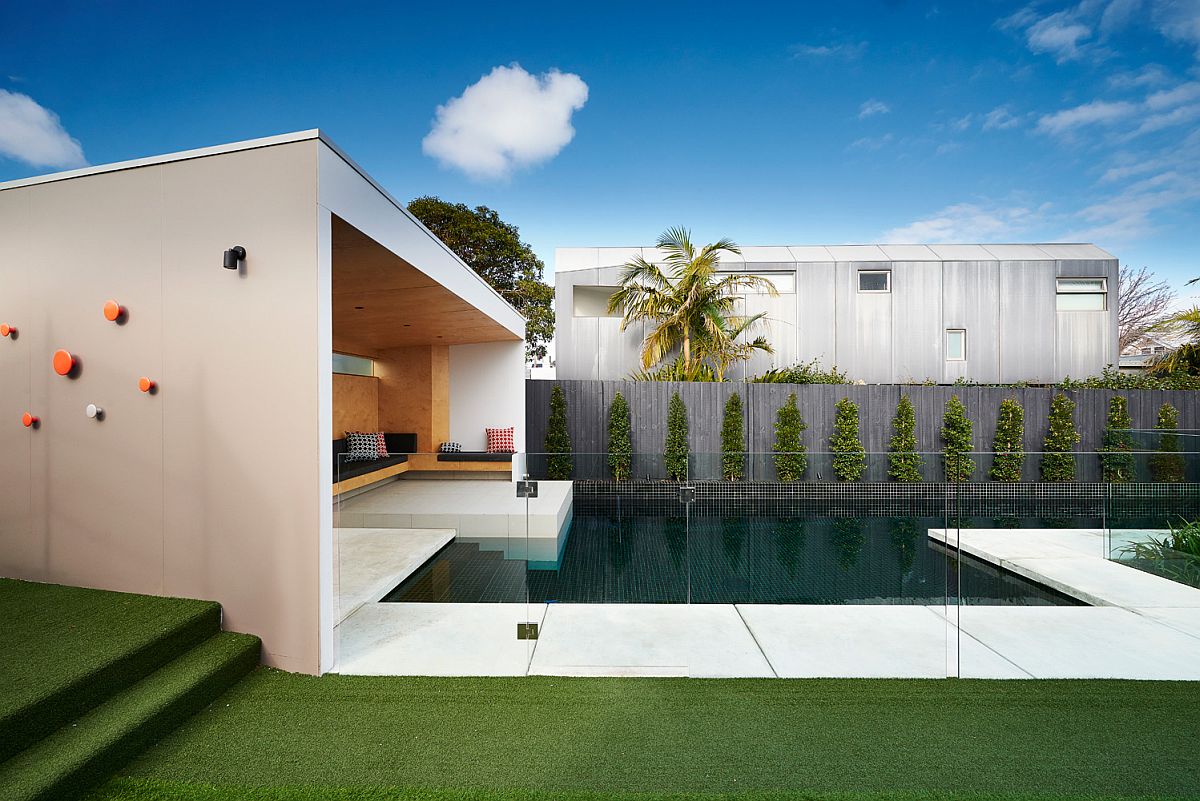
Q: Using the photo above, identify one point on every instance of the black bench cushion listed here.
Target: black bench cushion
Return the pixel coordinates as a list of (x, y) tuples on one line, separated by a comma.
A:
[(353, 469), (474, 456)]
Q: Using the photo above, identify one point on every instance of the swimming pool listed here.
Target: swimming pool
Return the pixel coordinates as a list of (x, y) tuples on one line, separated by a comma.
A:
[(762, 559)]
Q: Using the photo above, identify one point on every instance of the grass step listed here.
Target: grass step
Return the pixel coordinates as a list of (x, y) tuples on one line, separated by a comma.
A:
[(95, 745), (77, 647)]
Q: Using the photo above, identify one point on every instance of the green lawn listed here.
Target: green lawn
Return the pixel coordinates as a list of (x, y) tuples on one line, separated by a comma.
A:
[(285, 736)]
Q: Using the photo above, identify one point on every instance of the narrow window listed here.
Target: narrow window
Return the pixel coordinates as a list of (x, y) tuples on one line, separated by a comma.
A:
[(956, 345), (874, 280), (1082, 294), (346, 364)]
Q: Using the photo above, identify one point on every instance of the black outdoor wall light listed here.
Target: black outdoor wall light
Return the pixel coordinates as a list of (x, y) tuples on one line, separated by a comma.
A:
[(234, 257)]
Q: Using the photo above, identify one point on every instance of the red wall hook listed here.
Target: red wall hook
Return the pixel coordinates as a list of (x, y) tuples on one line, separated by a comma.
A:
[(64, 362), (113, 311), (146, 385), (7, 330), (28, 420)]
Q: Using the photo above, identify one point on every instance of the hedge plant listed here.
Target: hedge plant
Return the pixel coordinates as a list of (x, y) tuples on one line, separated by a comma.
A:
[(1167, 464), (1009, 443), (1116, 449), (849, 456), (1058, 459), (677, 439), (733, 440), (904, 464), (559, 463), (620, 444), (956, 441), (791, 458)]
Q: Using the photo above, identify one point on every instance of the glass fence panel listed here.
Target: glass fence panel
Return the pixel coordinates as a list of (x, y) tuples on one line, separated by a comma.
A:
[(430, 566)]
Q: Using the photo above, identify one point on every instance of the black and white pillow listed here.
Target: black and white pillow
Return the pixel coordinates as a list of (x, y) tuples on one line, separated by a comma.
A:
[(361, 446), (450, 447)]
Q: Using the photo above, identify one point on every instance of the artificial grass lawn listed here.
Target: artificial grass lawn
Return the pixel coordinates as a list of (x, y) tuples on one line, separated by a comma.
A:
[(299, 738)]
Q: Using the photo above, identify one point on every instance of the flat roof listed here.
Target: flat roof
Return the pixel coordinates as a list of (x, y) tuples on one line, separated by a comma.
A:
[(567, 259)]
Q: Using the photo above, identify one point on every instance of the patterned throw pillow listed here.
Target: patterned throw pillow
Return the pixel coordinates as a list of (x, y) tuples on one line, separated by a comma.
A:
[(361, 446), (500, 440), (381, 446), (450, 447)]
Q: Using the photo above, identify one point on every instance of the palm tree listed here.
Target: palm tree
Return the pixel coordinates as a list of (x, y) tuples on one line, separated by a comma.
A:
[(1186, 357), (691, 303)]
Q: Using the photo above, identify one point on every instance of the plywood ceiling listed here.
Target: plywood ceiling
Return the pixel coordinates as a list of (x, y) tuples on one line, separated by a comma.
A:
[(381, 301)]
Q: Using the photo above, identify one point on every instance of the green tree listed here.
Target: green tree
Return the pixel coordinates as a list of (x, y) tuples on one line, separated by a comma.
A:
[(956, 441), (493, 249), (677, 439), (849, 456), (733, 440), (559, 464), (620, 446), (1058, 459), (690, 305), (1116, 449), (791, 457), (1166, 465), (903, 462), (1009, 443)]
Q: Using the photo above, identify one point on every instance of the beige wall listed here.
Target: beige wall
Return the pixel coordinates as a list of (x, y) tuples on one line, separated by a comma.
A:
[(210, 488), (414, 393), (355, 404)]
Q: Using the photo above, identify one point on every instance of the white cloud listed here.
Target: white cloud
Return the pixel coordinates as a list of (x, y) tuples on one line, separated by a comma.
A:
[(870, 108), (845, 50), (506, 120), (1058, 34), (1178, 20), (33, 134), (1168, 98), (1000, 119), (966, 222), (963, 122), (1147, 75), (1118, 14), (1065, 122), (870, 142)]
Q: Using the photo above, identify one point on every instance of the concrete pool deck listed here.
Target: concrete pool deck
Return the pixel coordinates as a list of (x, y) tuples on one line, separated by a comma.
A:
[(1155, 636)]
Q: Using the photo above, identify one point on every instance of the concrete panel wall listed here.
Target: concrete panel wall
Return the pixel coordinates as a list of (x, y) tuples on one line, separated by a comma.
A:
[(1007, 307), (169, 493)]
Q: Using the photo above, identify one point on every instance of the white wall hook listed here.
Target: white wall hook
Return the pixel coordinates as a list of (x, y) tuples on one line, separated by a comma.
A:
[(94, 412)]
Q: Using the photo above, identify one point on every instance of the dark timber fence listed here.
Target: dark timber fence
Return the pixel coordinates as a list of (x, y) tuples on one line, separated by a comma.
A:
[(588, 403)]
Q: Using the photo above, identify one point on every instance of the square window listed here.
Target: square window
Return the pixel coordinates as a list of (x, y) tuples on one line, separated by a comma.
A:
[(956, 345), (1082, 294), (874, 280)]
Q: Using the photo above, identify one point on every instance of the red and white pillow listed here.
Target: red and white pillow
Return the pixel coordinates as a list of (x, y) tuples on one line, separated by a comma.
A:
[(500, 440)]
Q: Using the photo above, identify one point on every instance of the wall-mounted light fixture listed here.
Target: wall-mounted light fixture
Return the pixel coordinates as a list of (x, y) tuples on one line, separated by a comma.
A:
[(234, 257)]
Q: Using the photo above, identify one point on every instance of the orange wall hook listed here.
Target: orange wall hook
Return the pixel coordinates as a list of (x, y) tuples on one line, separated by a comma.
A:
[(7, 330), (146, 385), (29, 421), (64, 362), (113, 311)]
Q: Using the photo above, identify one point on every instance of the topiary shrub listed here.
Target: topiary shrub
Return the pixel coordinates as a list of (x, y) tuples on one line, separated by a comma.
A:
[(559, 463), (1116, 449), (1009, 442), (791, 458), (1167, 464), (733, 440), (956, 441), (849, 456), (620, 446), (903, 462), (677, 439), (1058, 459)]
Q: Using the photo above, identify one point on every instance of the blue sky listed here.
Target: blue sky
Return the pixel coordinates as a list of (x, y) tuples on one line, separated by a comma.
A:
[(852, 122)]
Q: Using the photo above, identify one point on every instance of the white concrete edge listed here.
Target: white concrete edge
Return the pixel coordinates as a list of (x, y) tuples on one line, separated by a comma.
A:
[(387, 583)]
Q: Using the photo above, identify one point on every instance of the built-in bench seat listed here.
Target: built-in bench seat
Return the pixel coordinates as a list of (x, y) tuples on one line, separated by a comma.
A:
[(475, 456), (351, 475)]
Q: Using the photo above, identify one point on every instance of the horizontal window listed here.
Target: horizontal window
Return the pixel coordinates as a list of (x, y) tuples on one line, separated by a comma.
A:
[(956, 345), (1082, 294), (592, 301), (345, 364), (874, 280)]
